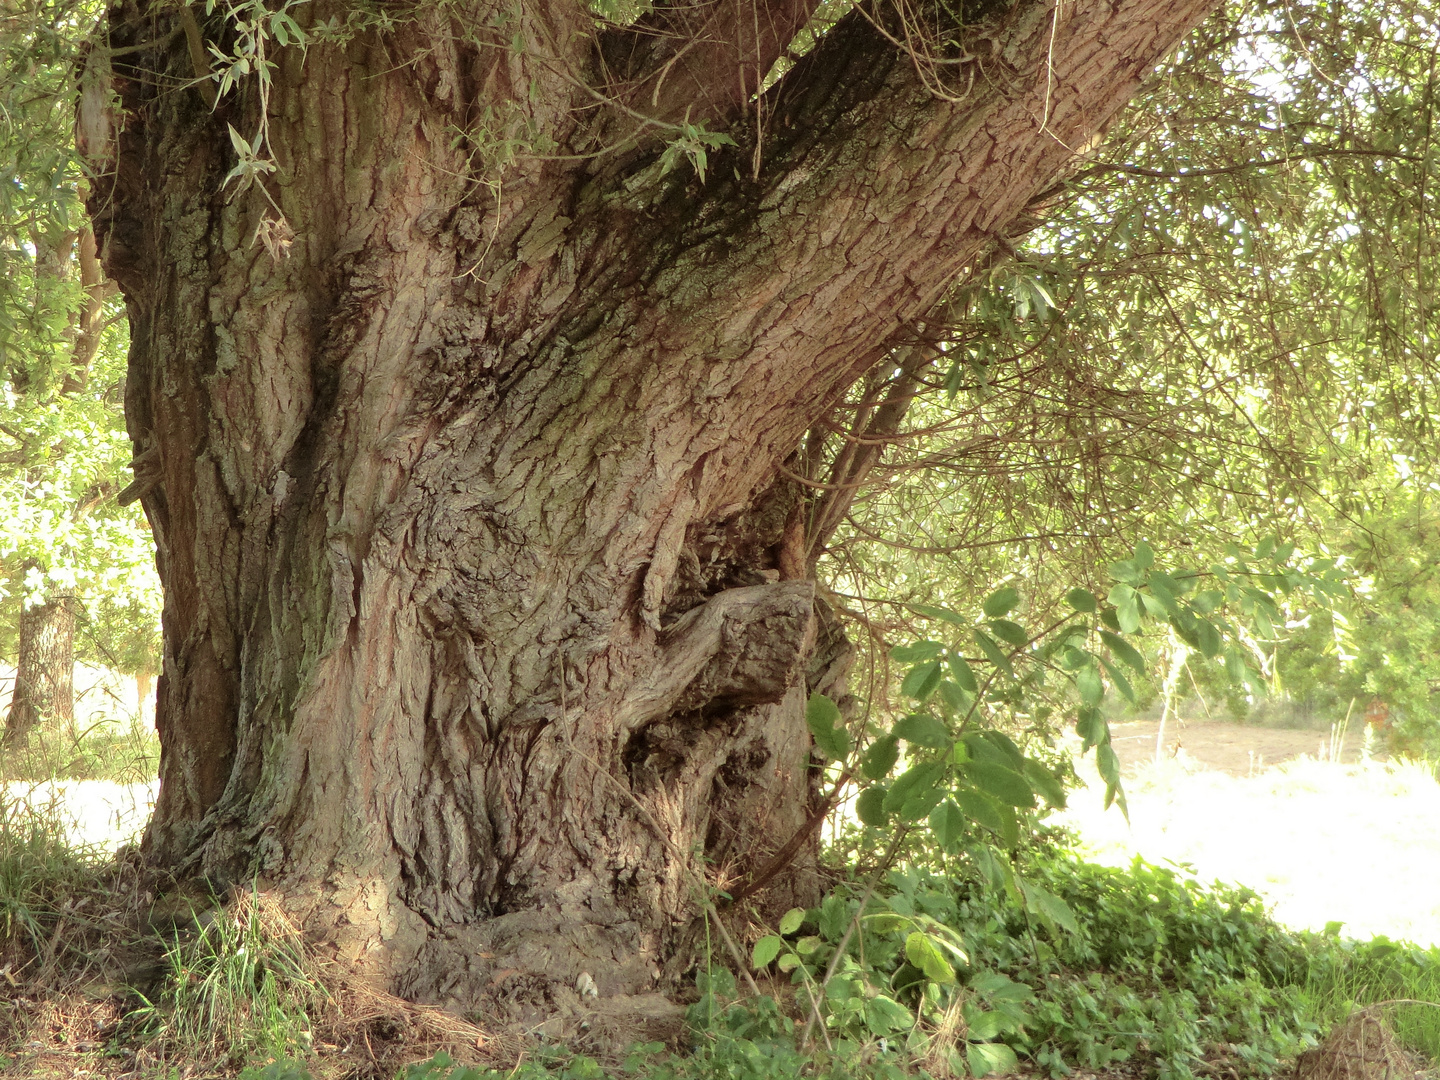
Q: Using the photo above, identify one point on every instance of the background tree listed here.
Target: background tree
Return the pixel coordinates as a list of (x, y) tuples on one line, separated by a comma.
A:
[(65, 545)]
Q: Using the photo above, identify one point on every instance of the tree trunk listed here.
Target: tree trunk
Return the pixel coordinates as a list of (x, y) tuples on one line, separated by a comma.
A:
[(44, 670), (487, 636)]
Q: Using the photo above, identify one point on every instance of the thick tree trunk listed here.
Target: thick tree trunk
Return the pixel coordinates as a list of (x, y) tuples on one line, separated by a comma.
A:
[(486, 624), (44, 670)]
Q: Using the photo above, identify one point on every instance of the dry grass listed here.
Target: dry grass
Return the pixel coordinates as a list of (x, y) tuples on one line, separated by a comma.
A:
[(1363, 1047)]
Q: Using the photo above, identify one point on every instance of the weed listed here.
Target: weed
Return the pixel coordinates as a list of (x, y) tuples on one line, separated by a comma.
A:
[(1344, 975), (239, 985), (40, 873)]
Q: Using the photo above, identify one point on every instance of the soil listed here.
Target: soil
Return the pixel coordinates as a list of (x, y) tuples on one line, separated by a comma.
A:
[(1235, 749)]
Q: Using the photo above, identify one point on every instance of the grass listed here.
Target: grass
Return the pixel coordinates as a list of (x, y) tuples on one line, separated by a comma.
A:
[(1350, 974), (236, 986)]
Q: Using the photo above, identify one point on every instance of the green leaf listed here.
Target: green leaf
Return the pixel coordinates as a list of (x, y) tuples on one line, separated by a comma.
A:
[(942, 614), (1209, 638), (1087, 681), (766, 949), (990, 1059), (914, 784), (1049, 906), (992, 745), (961, 673), (870, 806), (993, 653), (921, 680), (922, 729), (1126, 571), (823, 718), (980, 808), (1123, 651), (921, 952), (1001, 602), (792, 920), (1045, 782), (1108, 762), (1082, 600), (955, 699), (981, 1025), (1009, 632), (1144, 555), (884, 1015), (881, 757), (1007, 785), (1118, 680), (1091, 727), (947, 822), (919, 650)]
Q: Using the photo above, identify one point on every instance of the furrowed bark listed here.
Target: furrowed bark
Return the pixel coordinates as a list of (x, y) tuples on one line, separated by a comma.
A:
[(44, 670), (469, 510)]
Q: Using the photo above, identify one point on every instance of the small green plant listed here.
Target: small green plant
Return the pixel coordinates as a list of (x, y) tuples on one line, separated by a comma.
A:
[(237, 986), (693, 143)]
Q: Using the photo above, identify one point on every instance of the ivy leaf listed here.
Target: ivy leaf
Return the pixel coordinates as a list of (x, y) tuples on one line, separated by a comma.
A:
[(822, 716)]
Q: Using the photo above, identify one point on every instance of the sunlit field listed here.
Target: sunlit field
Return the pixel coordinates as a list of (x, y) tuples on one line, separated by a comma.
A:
[(1356, 844)]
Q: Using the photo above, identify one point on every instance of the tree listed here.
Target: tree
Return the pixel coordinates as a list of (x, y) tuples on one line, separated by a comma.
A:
[(461, 418), (63, 545)]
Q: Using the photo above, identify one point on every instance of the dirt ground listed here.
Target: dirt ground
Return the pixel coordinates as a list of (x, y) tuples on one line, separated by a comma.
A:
[(1234, 749)]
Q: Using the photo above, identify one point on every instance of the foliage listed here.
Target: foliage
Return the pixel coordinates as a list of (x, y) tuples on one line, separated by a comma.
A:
[(63, 445), (1213, 331), (39, 872), (239, 983)]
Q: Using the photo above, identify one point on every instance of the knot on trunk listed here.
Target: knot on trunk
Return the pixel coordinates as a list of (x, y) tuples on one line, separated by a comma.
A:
[(742, 647)]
